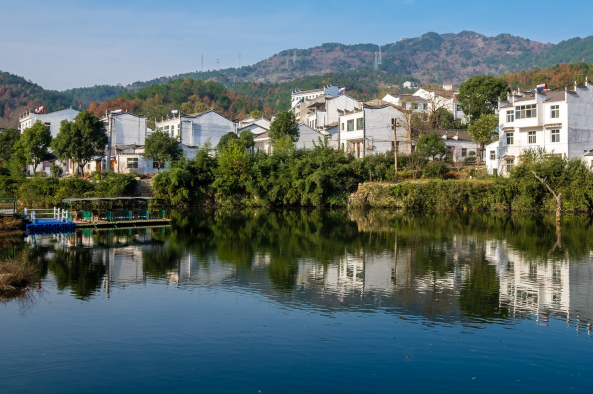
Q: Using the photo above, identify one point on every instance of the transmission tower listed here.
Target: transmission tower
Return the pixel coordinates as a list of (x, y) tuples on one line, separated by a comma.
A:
[(380, 56), (294, 57), (202, 63), (217, 65), (376, 65), (239, 60), (287, 60)]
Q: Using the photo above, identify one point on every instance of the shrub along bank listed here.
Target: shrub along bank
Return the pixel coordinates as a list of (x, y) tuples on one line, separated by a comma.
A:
[(41, 191), (520, 191)]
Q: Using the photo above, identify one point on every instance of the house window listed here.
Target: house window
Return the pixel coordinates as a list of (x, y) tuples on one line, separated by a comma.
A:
[(155, 164), (555, 135), (492, 155), (132, 162), (413, 148), (555, 111), (510, 116), (342, 126), (525, 111), (415, 106), (532, 139), (359, 124), (509, 164), (425, 106), (463, 152), (351, 125), (510, 138)]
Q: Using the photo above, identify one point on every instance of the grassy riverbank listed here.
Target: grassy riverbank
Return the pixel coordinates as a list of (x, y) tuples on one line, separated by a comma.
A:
[(16, 275)]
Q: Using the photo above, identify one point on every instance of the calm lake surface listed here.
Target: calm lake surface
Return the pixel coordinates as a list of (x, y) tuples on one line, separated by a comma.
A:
[(307, 301)]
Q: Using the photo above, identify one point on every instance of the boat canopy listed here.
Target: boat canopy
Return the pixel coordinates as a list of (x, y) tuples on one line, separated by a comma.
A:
[(90, 199)]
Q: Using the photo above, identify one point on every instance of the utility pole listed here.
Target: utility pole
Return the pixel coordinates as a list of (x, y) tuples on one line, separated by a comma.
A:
[(109, 138), (395, 125)]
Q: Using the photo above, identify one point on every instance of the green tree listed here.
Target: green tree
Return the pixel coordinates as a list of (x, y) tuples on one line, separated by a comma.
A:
[(284, 124), (8, 139), (34, 144), (429, 145), (161, 148), (225, 141), (443, 119), (80, 140), (479, 95), (482, 129), (246, 139)]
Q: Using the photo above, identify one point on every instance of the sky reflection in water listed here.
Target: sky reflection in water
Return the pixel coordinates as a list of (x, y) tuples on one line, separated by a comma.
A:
[(314, 301)]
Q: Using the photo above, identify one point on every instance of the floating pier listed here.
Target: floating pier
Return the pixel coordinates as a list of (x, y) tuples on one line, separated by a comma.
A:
[(98, 213)]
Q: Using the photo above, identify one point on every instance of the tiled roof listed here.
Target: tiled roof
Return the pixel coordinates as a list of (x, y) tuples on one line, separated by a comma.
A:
[(462, 134)]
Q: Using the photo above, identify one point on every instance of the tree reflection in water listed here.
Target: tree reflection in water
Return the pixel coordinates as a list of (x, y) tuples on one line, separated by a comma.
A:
[(440, 266)]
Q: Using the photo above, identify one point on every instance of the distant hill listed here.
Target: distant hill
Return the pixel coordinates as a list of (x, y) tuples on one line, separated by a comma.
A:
[(430, 58)]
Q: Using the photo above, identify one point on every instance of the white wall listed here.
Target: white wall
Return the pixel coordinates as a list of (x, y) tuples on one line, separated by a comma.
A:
[(53, 118), (128, 129), (343, 103)]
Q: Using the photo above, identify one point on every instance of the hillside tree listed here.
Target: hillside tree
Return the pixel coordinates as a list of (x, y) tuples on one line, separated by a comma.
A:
[(80, 140), (161, 148)]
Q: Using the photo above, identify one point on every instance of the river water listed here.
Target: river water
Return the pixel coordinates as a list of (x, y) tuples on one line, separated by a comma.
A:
[(310, 301)]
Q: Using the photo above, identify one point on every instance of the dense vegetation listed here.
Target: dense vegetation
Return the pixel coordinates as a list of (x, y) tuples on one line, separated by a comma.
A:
[(41, 191), (520, 191), (187, 95), (557, 77)]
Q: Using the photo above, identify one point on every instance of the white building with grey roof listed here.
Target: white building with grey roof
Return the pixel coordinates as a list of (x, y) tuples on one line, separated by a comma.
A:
[(560, 122)]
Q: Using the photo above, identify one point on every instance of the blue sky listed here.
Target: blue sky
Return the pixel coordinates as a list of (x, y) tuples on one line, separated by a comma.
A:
[(61, 44)]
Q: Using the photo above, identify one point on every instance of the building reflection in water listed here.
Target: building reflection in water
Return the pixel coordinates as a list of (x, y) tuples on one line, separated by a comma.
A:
[(420, 274)]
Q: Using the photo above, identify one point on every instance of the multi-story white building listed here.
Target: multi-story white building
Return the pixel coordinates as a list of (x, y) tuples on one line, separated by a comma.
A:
[(558, 122), (322, 111), (303, 95), (52, 119), (425, 100), (196, 129), (369, 130)]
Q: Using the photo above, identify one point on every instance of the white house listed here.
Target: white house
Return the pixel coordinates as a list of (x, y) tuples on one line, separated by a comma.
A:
[(558, 122), (321, 111), (424, 100), (196, 129), (308, 138), (256, 126), (299, 96), (408, 85), (369, 130), (52, 119)]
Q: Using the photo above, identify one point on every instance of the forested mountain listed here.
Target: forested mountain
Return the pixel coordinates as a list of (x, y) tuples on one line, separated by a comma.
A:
[(266, 85), (17, 95)]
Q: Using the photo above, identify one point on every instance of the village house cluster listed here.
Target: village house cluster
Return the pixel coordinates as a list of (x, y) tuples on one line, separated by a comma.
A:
[(329, 114)]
